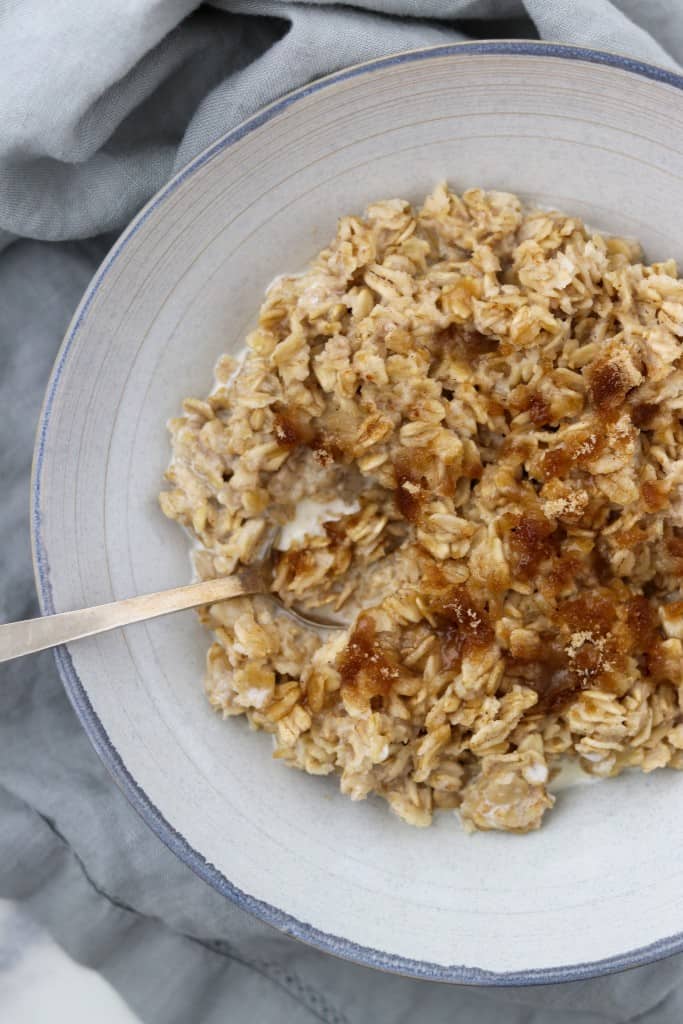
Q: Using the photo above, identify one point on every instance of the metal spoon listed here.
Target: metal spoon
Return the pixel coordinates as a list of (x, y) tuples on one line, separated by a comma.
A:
[(32, 635)]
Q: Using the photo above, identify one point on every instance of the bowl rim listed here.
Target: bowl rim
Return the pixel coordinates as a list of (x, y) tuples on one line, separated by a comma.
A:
[(337, 946)]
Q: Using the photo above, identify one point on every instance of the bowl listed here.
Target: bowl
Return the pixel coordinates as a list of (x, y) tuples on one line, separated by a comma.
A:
[(599, 887)]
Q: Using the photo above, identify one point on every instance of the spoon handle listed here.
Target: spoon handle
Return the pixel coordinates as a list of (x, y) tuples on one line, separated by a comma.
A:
[(31, 635)]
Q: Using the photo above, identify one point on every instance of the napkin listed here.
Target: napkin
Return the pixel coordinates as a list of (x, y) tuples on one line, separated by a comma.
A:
[(99, 105)]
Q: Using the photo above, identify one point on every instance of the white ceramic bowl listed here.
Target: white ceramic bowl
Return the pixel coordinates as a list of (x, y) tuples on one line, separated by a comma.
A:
[(600, 887)]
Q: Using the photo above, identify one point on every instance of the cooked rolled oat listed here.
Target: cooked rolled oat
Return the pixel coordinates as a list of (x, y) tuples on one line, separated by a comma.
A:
[(497, 395)]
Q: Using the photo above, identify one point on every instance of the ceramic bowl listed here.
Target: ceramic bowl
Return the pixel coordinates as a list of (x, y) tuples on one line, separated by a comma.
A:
[(600, 886)]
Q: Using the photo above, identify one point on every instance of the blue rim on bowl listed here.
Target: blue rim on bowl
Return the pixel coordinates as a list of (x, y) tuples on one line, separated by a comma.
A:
[(74, 687)]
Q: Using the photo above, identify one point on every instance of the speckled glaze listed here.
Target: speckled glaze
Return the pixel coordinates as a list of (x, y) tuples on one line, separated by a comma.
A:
[(599, 888)]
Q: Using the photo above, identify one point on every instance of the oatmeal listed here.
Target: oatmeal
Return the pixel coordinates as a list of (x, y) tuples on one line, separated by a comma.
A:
[(488, 400)]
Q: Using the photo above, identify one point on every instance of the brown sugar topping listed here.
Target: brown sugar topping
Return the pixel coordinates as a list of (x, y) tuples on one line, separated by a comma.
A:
[(590, 612), (561, 575), (655, 495), (550, 674), (326, 448), (563, 671), (539, 411), (643, 414), (411, 485), (557, 462), (462, 625), (532, 540), (291, 427), (643, 625), (366, 665), (412, 475), (675, 548), (597, 647), (587, 650), (608, 386), (409, 496)]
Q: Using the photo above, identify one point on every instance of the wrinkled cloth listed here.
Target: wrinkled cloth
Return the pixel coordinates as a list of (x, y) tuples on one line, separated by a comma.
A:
[(99, 105)]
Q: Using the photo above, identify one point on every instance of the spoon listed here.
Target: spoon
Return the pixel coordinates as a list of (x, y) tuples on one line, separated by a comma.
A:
[(32, 635)]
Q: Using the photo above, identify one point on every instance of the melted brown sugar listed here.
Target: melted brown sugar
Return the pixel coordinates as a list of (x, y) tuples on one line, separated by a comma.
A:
[(608, 387), (532, 540), (291, 427), (411, 485), (462, 625), (367, 666), (643, 414), (595, 634), (539, 411)]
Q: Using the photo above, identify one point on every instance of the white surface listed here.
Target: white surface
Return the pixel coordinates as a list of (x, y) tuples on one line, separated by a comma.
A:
[(602, 877), (40, 984)]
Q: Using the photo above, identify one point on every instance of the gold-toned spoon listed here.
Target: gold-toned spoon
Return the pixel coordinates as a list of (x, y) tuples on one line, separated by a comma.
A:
[(32, 635)]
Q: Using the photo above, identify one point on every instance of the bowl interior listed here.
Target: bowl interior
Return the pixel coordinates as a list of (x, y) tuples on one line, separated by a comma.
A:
[(601, 878)]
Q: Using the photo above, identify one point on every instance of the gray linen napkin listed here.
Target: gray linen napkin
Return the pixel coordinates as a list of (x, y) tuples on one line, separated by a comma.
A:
[(99, 104)]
